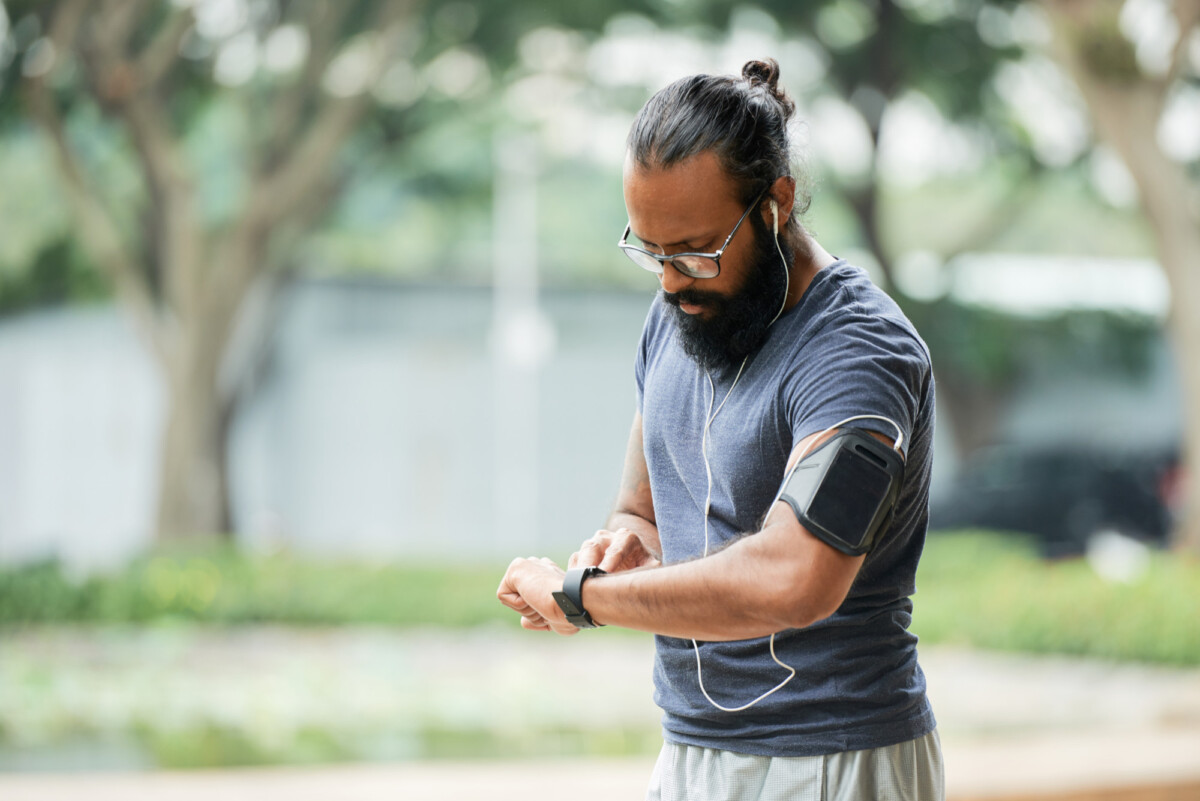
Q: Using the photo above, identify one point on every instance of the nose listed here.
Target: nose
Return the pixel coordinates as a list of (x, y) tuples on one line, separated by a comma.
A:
[(672, 280)]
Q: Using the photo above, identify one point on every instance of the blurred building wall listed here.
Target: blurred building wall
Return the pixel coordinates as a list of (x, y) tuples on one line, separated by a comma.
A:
[(80, 405), (373, 426), (371, 430)]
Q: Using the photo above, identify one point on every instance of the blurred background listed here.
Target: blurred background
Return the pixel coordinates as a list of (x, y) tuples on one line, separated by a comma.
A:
[(311, 318)]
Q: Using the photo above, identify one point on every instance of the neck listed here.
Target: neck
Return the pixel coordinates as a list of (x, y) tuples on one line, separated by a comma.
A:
[(809, 259)]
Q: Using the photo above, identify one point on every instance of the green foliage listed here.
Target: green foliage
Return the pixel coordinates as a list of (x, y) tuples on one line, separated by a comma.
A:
[(441, 742), (991, 591), (222, 746), (225, 587), (993, 348), (981, 590), (58, 275), (213, 746)]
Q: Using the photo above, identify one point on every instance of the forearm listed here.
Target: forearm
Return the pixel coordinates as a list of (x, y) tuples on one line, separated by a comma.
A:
[(759, 585), (645, 529), (634, 507)]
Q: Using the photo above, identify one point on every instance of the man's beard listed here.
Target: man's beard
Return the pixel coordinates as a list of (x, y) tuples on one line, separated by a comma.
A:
[(736, 324)]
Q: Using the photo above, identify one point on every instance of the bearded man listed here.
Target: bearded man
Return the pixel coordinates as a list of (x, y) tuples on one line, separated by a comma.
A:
[(774, 500)]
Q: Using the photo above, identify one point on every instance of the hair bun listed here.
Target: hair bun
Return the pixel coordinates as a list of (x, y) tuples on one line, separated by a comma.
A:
[(762, 72), (766, 74)]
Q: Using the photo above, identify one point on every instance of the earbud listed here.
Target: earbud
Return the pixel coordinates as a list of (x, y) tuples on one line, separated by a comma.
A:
[(775, 216)]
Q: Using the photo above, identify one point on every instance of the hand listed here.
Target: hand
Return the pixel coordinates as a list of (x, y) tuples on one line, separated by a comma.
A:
[(614, 551), (527, 589)]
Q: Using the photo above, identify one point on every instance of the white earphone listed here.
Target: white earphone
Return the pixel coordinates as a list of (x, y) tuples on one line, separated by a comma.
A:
[(786, 277)]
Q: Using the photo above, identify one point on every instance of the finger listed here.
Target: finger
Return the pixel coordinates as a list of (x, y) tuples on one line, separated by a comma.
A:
[(625, 551), (518, 605), (586, 556), (512, 599), (589, 554), (613, 559), (506, 584), (538, 624)]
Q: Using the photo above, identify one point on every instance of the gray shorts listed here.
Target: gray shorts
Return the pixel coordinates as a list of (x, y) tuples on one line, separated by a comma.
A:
[(908, 771)]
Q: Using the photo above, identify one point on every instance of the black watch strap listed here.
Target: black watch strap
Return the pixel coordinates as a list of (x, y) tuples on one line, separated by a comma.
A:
[(570, 598)]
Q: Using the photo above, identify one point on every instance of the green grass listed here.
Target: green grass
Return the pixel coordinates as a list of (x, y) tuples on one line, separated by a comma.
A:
[(974, 589), (991, 591), (223, 586)]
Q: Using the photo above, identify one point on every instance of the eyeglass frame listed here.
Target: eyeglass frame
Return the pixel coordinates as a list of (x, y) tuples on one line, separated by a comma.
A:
[(662, 258)]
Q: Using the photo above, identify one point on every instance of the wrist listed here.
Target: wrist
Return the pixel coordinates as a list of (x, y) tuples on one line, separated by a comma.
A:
[(570, 597), (588, 595)]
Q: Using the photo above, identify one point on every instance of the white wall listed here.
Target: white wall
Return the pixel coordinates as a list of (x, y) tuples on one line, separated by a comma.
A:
[(373, 431)]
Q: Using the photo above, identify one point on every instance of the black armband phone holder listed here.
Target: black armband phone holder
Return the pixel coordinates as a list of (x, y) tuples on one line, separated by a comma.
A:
[(844, 492)]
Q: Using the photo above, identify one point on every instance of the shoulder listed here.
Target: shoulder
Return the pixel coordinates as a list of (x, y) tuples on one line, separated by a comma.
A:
[(853, 353), (657, 329), (845, 314), (656, 333)]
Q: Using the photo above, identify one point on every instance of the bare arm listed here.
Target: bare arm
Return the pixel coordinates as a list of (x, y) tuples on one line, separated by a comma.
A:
[(781, 577), (634, 508)]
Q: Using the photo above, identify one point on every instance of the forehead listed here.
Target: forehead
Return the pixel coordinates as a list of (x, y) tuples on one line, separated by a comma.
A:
[(669, 205)]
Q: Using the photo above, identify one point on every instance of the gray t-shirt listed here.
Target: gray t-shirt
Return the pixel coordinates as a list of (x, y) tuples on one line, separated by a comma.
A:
[(845, 349)]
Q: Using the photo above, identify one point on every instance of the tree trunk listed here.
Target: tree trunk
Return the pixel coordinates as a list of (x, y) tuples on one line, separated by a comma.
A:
[(972, 411), (193, 500), (1126, 109), (222, 331), (864, 202), (184, 295), (1179, 250)]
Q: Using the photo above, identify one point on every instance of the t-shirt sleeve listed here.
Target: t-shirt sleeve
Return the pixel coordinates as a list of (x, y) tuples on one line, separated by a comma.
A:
[(649, 332), (860, 365)]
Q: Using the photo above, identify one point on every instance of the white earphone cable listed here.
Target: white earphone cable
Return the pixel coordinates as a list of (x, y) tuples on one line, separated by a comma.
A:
[(708, 420), (708, 503)]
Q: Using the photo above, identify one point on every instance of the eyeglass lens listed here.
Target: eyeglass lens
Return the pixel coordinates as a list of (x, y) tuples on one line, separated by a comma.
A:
[(693, 266)]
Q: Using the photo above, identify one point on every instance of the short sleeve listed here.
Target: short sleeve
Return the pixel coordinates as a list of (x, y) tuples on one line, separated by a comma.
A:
[(650, 331), (859, 366)]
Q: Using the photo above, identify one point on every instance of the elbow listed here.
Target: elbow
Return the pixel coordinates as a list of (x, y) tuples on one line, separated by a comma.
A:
[(805, 617), (803, 607), (799, 581)]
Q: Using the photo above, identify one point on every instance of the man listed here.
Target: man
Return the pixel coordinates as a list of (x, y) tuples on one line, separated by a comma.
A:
[(780, 601)]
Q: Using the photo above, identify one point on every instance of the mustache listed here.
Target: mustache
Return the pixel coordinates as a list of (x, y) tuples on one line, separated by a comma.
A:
[(692, 297)]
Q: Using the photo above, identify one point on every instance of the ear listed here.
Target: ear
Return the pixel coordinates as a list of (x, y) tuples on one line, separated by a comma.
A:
[(783, 194)]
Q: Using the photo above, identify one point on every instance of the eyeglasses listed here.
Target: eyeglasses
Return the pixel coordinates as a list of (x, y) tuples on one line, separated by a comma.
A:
[(693, 265)]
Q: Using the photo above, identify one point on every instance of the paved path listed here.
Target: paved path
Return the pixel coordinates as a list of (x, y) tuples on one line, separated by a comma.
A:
[(1164, 766)]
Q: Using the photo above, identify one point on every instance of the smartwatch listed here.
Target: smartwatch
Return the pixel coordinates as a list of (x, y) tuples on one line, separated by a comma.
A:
[(570, 598)]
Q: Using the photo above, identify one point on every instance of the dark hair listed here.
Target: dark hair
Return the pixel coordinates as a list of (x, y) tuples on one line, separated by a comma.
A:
[(742, 120)]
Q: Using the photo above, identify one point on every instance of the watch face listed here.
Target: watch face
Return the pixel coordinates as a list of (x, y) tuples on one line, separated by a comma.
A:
[(565, 604)]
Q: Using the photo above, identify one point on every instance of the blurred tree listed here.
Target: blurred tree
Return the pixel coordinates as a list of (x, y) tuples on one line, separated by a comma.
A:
[(1131, 62), (58, 274), (232, 115), (881, 50), (183, 271), (877, 51)]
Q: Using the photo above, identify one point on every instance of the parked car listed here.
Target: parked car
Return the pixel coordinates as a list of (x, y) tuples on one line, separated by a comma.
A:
[(1064, 495)]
